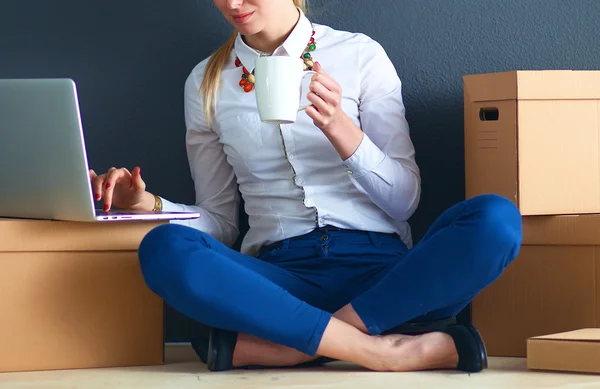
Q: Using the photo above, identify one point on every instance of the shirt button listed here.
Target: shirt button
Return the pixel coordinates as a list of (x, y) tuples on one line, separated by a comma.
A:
[(291, 156), (300, 181), (350, 171), (309, 203)]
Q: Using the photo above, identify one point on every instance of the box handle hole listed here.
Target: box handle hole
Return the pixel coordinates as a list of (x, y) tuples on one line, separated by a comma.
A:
[(489, 114)]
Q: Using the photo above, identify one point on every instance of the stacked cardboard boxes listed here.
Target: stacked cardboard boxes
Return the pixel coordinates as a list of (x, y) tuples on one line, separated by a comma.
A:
[(534, 137)]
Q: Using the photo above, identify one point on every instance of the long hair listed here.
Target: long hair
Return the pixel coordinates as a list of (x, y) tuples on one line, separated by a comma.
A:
[(212, 73)]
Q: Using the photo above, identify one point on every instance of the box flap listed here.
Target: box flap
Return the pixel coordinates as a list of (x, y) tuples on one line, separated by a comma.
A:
[(583, 335), (491, 87), (17, 235), (558, 84), (534, 85), (562, 230)]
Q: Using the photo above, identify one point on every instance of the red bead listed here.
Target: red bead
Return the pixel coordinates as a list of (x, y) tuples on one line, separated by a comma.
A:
[(238, 63), (313, 33), (243, 82), (245, 70), (312, 40), (248, 87)]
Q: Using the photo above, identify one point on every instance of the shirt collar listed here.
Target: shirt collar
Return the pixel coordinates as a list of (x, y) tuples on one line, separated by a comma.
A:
[(294, 45)]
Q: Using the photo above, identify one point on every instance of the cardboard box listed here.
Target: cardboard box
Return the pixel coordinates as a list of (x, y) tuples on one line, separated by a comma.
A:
[(72, 296), (534, 137), (575, 351), (551, 287)]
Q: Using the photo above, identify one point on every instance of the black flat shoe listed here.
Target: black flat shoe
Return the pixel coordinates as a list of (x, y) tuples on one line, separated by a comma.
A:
[(200, 346), (220, 347), (472, 354)]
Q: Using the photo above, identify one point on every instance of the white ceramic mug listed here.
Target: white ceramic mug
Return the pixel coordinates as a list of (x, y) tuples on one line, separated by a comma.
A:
[(278, 87)]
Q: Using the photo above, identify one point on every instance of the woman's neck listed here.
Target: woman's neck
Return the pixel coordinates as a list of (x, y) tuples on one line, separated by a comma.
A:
[(273, 36)]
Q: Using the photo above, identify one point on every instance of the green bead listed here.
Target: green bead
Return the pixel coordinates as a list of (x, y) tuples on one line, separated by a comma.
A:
[(306, 55), (312, 47)]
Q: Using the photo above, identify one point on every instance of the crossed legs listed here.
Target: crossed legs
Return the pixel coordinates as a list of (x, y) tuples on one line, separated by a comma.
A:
[(465, 250)]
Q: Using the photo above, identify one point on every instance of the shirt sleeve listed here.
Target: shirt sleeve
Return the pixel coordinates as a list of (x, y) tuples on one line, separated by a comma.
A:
[(217, 197), (383, 167)]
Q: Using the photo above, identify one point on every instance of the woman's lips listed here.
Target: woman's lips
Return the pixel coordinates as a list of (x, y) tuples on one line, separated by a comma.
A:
[(242, 18)]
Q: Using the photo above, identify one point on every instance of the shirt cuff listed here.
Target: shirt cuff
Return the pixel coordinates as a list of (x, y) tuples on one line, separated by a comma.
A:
[(168, 206), (365, 159)]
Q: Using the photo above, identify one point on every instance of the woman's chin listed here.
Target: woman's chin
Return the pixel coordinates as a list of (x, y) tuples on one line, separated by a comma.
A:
[(247, 29)]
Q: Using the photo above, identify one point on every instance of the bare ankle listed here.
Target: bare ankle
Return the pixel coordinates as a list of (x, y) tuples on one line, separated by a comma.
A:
[(251, 350), (413, 353), (344, 342), (348, 315)]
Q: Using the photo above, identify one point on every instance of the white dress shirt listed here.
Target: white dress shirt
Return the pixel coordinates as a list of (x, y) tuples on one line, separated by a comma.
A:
[(290, 176)]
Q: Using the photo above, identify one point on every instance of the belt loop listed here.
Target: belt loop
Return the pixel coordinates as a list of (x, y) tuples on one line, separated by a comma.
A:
[(373, 238)]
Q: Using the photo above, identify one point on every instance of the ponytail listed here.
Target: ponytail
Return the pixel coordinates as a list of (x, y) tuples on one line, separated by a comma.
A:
[(212, 73)]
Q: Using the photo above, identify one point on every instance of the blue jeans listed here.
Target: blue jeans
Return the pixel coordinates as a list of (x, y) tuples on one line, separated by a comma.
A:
[(287, 294)]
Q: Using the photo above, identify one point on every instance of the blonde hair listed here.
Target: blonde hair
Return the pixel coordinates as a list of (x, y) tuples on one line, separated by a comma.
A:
[(212, 73)]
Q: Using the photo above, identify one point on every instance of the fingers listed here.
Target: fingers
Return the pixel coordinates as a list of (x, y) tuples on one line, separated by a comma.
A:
[(325, 93), (97, 184), (322, 98), (326, 98), (323, 78), (93, 179), (318, 103), (318, 68), (136, 179), (113, 178), (104, 185), (315, 115)]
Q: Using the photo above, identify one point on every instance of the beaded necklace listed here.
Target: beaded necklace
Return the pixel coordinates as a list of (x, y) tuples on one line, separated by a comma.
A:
[(247, 81)]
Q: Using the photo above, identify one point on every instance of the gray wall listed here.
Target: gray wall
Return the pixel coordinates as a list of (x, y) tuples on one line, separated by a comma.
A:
[(130, 60)]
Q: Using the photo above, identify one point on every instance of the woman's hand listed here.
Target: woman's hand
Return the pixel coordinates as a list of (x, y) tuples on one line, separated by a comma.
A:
[(326, 98), (121, 188), (327, 113)]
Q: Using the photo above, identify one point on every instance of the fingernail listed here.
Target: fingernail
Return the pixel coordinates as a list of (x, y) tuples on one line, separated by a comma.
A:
[(108, 186), (98, 197), (106, 208)]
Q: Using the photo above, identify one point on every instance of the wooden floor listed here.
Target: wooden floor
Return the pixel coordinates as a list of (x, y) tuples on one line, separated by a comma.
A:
[(183, 371)]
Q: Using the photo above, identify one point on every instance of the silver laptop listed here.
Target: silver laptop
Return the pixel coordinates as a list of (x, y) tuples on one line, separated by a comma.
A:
[(44, 172)]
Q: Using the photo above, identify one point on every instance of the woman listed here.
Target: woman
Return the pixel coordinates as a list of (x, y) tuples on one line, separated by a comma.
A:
[(327, 270)]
